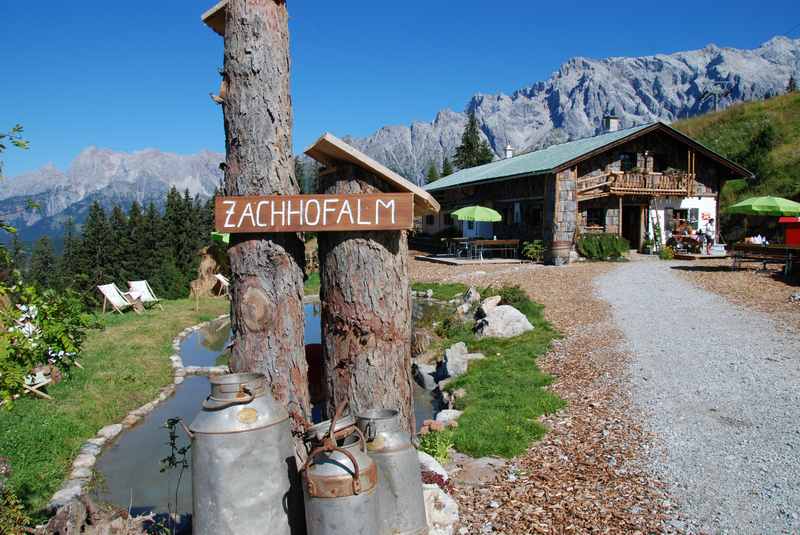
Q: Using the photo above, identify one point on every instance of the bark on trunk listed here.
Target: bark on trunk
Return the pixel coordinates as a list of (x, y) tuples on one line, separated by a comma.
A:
[(267, 287), (366, 309)]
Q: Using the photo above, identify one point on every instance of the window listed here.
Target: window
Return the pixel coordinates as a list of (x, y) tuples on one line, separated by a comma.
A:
[(532, 215), (596, 217), (429, 220), (627, 161), (690, 216), (471, 225)]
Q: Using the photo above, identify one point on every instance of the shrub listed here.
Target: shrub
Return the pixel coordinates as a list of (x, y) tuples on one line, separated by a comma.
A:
[(13, 519), (602, 246), (666, 253), (533, 250), (43, 327), (436, 444)]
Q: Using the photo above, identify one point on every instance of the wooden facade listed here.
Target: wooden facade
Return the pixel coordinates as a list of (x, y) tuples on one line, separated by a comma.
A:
[(622, 188)]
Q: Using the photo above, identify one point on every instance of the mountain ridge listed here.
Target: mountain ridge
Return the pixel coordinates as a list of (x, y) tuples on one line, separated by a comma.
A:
[(570, 104)]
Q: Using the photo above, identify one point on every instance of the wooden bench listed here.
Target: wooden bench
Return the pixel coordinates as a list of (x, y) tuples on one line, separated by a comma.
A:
[(765, 254)]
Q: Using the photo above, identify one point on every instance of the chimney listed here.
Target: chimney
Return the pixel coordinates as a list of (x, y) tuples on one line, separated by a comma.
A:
[(509, 151), (610, 123)]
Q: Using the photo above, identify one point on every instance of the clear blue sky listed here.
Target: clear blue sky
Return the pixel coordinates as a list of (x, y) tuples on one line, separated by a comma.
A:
[(131, 75)]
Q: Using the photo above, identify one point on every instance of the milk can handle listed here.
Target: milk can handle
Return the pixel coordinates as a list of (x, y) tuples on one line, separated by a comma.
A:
[(369, 431), (225, 403), (328, 447)]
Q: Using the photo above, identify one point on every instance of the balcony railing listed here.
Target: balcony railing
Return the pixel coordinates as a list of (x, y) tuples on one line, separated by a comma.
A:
[(652, 184)]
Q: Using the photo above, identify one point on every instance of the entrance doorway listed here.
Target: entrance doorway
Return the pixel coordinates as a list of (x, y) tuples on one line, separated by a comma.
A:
[(632, 225)]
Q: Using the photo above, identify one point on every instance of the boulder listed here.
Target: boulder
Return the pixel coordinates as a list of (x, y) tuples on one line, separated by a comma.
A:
[(110, 431), (479, 472), (456, 360), (420, 342), (441, 510), (488, 305), (424, 375), (471, 296), (448, 415), (504, 321), (428, 463), (795, 297), (84, 460)]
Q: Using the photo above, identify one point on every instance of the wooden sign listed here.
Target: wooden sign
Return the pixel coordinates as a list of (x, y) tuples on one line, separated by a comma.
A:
[(314, 213)]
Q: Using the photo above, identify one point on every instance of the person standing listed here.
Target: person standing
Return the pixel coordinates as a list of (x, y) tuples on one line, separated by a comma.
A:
[(709, 233)]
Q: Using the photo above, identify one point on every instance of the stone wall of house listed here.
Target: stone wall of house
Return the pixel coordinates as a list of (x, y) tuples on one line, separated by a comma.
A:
[(566, 212)]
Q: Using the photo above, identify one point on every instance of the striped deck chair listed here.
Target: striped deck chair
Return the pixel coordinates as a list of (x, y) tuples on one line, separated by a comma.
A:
[(113, 295), (145, 293)]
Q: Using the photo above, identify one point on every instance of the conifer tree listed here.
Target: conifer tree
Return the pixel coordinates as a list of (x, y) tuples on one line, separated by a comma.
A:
[(433, 173), (95, 257), (447, 167), (69, 264), (17, 253), (139, 241), (121, 254), (473, 151), (43, 264)]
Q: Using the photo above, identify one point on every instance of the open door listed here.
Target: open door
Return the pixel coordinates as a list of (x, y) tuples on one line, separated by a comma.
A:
[(632, 225)]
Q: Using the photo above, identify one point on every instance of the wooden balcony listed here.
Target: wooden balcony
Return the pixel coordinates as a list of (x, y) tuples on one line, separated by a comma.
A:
[(639, 184)]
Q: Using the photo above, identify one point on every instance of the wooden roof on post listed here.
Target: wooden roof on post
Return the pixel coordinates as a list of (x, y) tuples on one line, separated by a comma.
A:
[(329, 149), (215, 17)]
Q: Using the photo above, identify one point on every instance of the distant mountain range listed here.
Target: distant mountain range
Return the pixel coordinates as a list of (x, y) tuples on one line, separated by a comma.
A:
[(572, 102), (106, 176), (568, 105)]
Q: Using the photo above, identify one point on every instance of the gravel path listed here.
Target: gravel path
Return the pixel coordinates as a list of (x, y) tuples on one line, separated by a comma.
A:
[(720, 387)]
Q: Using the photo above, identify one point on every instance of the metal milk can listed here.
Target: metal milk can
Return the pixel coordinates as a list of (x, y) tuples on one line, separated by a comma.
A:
[(340, 481), (402, 506), (243, 462)]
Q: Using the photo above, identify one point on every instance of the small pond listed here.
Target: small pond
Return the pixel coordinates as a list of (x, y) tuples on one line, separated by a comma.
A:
[(129, 470)]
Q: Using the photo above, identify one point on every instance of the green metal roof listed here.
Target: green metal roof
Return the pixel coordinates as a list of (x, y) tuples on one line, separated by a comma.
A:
[(533, 163)]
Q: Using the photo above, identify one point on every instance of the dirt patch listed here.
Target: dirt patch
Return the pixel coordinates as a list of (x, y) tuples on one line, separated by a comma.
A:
[(587, 475), (765, 291)]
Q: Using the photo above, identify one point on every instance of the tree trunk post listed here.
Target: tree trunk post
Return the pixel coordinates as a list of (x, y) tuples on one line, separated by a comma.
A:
[(267, 287), (366, 308)]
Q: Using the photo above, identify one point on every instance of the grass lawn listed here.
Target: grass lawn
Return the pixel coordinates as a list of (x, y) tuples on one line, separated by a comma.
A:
[(441, 291), (313, 284), (125, 365), (506, 392)]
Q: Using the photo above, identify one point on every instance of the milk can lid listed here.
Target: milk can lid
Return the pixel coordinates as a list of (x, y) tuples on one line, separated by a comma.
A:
[(237, 403), (319, 431)]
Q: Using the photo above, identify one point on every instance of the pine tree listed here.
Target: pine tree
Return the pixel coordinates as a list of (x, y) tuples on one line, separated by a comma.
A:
[(17, 254), (121, 254), (137, 236), (433, 173), (473, 151), (153, 246), (792, 85), (447, 167), (43, 264), (95, 250), (69, 264)]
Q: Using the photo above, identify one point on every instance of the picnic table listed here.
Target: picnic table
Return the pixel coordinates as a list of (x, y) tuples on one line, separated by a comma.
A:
[(765, 254), (503, 247)]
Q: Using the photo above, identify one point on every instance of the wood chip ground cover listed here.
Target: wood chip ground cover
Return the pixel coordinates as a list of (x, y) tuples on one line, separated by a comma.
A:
[(587, 475)]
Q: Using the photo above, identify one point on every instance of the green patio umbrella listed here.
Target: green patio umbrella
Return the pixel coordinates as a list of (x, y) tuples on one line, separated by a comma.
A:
[(476, 213), (767, 206), (221, 237)]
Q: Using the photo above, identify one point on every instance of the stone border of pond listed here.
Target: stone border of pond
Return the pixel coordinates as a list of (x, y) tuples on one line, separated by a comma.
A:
[(82, 466)]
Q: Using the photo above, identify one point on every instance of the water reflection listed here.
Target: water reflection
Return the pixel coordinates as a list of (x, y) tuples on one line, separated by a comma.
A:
[(129, 470)]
